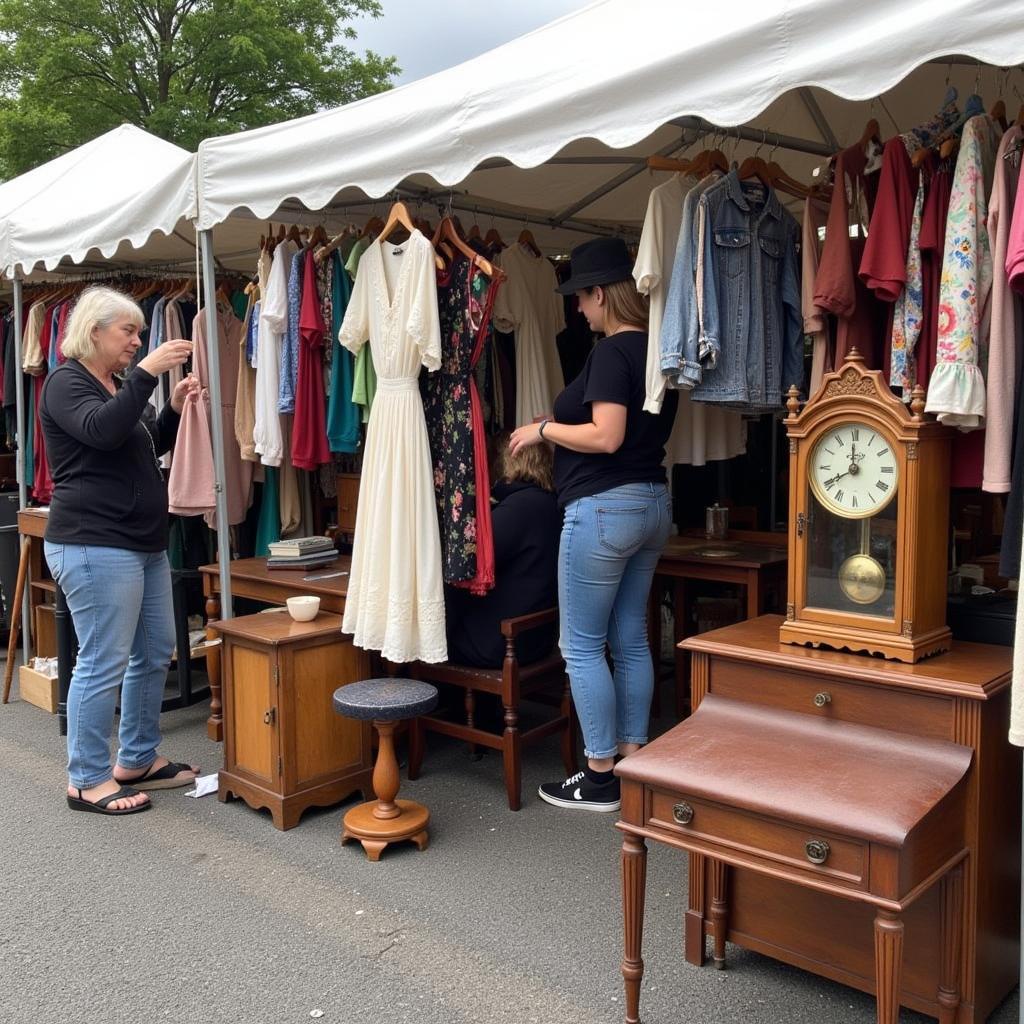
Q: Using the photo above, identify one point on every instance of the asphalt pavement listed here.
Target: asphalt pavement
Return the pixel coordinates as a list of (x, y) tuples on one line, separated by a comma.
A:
[(198, 911)]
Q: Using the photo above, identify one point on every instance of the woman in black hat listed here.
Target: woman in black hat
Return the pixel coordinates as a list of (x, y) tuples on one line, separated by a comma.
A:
[(611, 483)]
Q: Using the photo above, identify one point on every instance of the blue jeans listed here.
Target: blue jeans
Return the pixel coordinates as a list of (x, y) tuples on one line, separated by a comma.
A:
[(120, 603), (610, 547)]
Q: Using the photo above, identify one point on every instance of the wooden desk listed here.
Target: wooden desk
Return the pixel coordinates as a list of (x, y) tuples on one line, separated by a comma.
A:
[(855, 815), (251, 578), (962, 696), (758, 567)]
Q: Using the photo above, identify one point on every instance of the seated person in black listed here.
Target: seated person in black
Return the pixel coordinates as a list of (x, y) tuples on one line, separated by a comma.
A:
[(526, 526)]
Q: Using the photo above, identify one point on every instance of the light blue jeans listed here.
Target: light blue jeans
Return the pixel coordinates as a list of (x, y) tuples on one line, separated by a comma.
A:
[(120, 602), (609, 549)]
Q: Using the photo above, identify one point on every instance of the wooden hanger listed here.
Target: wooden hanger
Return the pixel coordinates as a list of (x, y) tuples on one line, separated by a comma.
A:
[(372, 228), (526, 238), (492, 238), (870, 134), (786, 183), (399, 217), (998, 113), (948, 148), (446, 232), (319, 236), (755, 167)]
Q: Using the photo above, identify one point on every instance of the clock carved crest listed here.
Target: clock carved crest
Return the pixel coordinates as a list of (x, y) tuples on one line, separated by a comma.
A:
[(868, 514)]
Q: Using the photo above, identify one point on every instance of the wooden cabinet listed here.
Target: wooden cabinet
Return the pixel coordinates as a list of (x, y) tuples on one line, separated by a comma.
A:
[(963, 696), (348, 501), (284, 747)]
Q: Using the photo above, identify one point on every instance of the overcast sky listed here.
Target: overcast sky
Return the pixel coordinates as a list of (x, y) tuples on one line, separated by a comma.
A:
[(428, 37)]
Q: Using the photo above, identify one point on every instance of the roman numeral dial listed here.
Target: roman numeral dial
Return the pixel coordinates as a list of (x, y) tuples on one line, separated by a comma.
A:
[(857, 474)]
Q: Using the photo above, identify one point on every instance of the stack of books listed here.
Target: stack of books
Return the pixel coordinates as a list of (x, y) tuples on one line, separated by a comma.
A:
[(301, 553)]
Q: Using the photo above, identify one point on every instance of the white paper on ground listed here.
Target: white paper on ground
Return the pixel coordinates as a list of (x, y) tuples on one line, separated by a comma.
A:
[(205, 785)]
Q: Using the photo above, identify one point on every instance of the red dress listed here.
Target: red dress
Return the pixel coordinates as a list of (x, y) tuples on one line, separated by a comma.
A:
[(309, 431)]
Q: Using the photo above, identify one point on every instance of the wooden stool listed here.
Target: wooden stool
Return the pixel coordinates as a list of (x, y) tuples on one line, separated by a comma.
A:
[(386, 702)]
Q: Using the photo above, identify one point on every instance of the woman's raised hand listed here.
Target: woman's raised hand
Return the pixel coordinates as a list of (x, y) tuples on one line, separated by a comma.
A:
[(166, 356)]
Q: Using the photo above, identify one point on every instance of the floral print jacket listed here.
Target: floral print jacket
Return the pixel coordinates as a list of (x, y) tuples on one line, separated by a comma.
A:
[(956, 392)]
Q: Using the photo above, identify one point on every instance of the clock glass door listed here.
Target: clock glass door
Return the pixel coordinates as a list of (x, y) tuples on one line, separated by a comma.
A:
[(852, 514)]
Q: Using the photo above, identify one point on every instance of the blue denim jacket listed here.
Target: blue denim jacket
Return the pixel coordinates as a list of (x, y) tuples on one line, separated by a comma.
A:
[(751, 347), (680, 318)]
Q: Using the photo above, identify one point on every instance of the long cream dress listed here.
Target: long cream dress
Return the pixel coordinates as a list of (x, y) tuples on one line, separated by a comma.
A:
[(395, 601)]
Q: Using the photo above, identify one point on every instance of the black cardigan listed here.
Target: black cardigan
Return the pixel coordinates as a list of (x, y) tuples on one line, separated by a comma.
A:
[(526, 525), (108, 488)]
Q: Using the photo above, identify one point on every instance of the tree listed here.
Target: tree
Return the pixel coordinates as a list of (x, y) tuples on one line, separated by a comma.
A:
[(181, 69)]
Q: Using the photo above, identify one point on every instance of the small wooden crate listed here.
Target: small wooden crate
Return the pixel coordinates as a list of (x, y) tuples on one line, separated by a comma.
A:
[(37, 689)]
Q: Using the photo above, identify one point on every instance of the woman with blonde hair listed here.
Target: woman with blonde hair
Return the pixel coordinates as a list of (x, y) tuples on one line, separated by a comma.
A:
[(611, 482), (525, 524), (106, 543)]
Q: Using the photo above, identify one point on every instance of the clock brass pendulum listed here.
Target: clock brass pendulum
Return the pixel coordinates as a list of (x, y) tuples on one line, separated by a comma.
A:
[(862, 577)]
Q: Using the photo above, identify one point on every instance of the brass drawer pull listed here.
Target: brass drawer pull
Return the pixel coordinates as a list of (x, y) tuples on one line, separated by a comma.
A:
[(823, 698), (817, 851), (683, 813)]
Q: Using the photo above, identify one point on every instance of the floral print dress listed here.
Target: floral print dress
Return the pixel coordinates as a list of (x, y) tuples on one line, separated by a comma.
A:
[(956, 393), (455, 426)]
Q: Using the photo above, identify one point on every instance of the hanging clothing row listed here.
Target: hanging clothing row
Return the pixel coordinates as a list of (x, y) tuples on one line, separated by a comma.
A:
[(308, 385)]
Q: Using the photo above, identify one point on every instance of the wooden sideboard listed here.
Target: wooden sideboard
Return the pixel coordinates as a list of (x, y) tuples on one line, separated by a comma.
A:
[(962, 696)]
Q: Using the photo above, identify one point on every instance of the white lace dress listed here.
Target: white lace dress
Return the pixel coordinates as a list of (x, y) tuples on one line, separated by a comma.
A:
[(395, 601)]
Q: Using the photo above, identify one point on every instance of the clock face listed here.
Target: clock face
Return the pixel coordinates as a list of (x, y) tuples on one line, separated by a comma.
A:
[(853, 470)]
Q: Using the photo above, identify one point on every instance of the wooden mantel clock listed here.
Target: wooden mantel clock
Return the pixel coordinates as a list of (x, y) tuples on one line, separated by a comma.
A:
[(868, 519)]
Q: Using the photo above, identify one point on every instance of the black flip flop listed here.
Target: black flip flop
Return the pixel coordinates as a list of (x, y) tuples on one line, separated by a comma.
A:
[(102, 806), (166, 777)]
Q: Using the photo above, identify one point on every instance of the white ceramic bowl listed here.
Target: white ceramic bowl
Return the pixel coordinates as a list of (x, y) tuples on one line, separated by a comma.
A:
[(303, 609)]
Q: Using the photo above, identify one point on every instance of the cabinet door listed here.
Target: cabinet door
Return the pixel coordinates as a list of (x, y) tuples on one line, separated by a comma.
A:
[(252, 714), (319, 745)]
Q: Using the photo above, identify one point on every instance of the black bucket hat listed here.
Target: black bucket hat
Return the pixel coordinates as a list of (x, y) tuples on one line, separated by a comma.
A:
[(602, 261)]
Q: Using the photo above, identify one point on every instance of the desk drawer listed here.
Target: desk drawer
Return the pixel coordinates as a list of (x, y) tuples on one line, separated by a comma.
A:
[(921, 714), (846, 862)]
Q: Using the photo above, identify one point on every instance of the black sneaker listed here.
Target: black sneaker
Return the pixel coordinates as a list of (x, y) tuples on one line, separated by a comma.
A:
[(582, 794)]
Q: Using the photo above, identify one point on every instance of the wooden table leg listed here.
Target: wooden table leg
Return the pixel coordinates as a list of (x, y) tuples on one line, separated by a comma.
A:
[(215, 723), (681, 623), (654, 641), (951, 928), (888, 966), (15, 609), (754, 596), (634, 884), (719, 910), (694, 947)]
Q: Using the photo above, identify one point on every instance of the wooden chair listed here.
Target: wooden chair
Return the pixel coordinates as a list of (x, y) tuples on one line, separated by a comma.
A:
[(511, 683)]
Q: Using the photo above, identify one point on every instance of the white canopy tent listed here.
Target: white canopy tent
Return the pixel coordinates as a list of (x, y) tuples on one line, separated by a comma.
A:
[(111, 195), (607, 86)]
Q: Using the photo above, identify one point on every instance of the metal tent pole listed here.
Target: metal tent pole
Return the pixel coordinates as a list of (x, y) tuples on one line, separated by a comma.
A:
[(216, 423), (19, 458)]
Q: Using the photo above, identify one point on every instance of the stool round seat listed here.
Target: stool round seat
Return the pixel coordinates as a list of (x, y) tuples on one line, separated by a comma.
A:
[(385, 700)]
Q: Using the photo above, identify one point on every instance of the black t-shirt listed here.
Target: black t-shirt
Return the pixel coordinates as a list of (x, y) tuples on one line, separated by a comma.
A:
[(614, 372)]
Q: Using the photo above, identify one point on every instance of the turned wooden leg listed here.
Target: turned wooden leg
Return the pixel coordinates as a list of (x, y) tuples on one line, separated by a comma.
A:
[(215, 723), (385, 773), (951, 894), (634, 883), (694, 947), (569, 732), (511, 750), (681, 615), (888, 966), (719, 910)]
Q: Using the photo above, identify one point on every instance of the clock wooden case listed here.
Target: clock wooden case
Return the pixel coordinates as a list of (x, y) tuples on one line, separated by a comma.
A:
[(868, 519)]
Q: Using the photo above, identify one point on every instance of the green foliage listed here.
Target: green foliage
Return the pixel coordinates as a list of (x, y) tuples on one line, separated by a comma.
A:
[(181, 69)]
